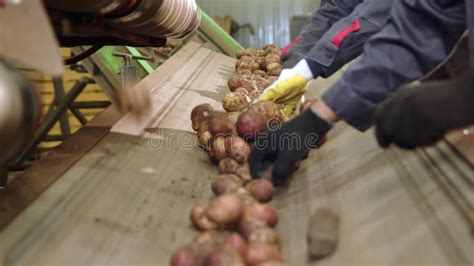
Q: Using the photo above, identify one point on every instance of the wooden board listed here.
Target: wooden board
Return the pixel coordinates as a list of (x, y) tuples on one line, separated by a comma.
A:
[(127, 201), (194, 75)]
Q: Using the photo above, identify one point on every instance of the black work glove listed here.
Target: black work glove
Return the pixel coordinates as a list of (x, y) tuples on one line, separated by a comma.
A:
[(420, 116), (285, 146)]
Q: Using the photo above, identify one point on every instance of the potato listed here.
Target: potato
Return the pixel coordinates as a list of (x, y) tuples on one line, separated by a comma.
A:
[(244, 173), (258, 253), (250, 124), (237, 149), (235, 101), (244, 72), (204, 139), (323, 233), (235, 81), (200, 114), (271, 50), (225, 184), (255, 94), (269, 109), (200, 220), (274, 69), (249, 84), (228, 166), (235, 242), (217, 150), (185, 256), (247, 64), (273, 58), (249, 224), (263, 212), (225, 209), (260, 73), (261, 189), (223, 240), (307, 104), (245, 196), (242, 90), (225, 258), (220, 124), (262, 62), (264, 235)]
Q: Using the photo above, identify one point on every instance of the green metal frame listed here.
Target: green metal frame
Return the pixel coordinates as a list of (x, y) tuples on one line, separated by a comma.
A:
[(212, 31)]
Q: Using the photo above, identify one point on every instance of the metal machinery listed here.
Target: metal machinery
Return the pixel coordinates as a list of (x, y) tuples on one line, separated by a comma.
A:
[(88, 26)]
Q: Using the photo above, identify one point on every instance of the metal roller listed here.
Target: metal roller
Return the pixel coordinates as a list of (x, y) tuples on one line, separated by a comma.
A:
[(161, 18), (153, 18), (20, 110)]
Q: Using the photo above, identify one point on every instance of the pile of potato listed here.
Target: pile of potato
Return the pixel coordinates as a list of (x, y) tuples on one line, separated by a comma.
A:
[(238, 224)]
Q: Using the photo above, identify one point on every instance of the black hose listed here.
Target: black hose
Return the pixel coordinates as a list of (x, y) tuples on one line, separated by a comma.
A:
[(76, 58)]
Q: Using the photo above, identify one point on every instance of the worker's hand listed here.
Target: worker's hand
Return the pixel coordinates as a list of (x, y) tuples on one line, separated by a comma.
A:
[(284, 146), (290, 87), (420, 116)]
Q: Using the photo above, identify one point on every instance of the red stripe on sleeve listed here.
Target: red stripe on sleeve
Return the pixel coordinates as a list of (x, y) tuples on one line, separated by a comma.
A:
[(286, 48), (339, 38)]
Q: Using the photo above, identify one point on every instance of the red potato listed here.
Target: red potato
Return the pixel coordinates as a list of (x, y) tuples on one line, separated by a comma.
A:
[(237, 149), (200, 220), (258, 253), (245, 196), (249, 84), (225, 184), (234, 82), (225, 210), (223, 240), (204, 139), (249, 224), (270, 110), (217, 150), (185, 256), (250, 124), (235, 242), (261, 189), (225, 258), (263, 212), (244, 173), (200, 114), (235, 101), (242, 90), (228, 166), (220, 124), (264, 235)]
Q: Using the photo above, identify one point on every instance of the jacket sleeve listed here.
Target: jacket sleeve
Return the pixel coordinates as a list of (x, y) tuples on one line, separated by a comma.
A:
[(418, 36), (345, 40), (328, 14)]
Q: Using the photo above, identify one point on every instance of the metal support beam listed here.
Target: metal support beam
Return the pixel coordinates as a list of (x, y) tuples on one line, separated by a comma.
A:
[(49, 121)]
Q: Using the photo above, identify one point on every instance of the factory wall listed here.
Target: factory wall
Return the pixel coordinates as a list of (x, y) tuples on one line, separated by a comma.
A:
[(270, 18)]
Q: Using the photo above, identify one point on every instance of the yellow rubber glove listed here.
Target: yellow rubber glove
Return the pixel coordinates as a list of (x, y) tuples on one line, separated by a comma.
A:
[(290, 87), (288, 92)]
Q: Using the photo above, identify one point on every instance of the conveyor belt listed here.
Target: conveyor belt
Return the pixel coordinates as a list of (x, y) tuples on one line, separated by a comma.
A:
[(127, 200)]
